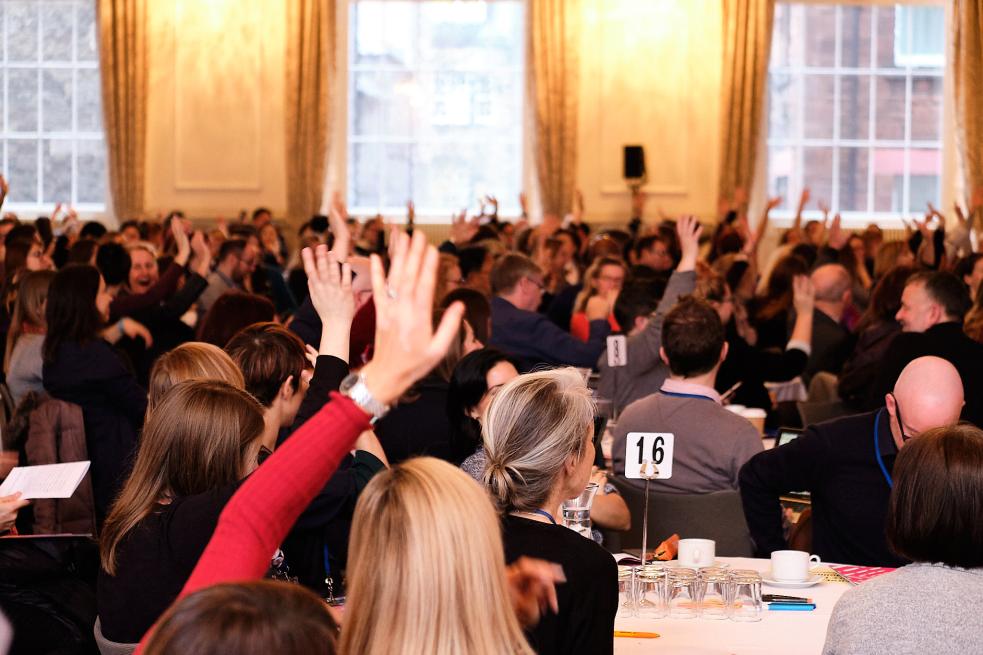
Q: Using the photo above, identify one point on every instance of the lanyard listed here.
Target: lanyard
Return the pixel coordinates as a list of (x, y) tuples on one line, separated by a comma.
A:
[(877, 451), (541, 512), (676, 394)]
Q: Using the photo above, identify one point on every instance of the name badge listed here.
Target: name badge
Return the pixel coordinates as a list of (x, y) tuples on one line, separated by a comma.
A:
[(648, 455)]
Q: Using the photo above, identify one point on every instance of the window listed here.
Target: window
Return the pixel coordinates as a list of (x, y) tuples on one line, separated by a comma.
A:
[(435, 97), (855, 107), (51, 133)]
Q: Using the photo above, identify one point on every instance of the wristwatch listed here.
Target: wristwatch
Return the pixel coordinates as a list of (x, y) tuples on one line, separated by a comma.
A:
[(354, 387)]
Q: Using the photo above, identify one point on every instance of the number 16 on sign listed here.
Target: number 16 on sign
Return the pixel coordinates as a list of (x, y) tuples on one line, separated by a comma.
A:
[(644, 448)]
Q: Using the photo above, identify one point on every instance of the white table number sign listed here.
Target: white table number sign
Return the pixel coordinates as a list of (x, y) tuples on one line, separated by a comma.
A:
[(617, 350), (646, 449)]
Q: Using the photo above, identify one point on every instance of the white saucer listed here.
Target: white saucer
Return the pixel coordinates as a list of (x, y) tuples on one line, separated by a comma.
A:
[(718, 564), (787, 584)]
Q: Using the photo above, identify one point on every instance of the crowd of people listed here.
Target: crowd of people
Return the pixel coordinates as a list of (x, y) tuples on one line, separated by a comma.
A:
[(390, 426)]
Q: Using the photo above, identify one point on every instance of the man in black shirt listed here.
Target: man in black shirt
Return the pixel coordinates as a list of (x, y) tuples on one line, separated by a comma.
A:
[(846, 464)]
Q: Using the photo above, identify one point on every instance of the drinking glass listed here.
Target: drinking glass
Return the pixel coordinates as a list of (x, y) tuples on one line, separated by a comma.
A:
[(650, 591), (626, 592), (744, 597), (576, 511), (681, 593), (711, 591)]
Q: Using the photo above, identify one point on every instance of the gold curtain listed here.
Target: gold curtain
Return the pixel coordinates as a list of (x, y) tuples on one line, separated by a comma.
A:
[(123, 66), (310, 65), (552, 81), (747, 45), (967, 70)]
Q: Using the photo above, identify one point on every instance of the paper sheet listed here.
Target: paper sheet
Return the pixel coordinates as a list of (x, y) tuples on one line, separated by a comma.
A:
[(45, 481)]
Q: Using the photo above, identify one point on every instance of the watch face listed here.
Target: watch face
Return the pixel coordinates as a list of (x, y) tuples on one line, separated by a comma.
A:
[(350, 381)]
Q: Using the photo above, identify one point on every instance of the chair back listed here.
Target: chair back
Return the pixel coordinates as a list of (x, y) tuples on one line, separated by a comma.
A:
[(718, 516), (107, 647)]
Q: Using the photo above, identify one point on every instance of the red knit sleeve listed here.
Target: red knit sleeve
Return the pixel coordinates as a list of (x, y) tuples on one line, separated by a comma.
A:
[(261, 513), (164, 287)]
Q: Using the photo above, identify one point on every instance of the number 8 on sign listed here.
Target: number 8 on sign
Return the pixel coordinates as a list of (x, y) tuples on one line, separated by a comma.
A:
[(646, 448)]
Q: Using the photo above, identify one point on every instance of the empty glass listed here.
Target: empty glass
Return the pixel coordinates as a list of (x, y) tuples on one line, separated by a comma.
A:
[(576, 511), (681, 593), (712, 590), (744, 599), (650, 591), (626, 592)]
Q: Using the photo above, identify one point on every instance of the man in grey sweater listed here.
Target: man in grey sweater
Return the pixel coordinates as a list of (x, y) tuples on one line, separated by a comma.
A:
[(644, 372), (711, 443)]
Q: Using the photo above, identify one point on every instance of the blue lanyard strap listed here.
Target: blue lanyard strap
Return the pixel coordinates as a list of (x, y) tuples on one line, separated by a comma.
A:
[(676, 394), (543, 512), (877, 450)]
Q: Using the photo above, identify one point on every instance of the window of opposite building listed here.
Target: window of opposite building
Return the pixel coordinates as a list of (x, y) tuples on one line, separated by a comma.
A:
[(435, 104), (52, 146), (856, 107)]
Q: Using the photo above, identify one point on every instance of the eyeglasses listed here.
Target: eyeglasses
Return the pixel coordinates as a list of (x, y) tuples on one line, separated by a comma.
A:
[(539, 285), (897, 416)]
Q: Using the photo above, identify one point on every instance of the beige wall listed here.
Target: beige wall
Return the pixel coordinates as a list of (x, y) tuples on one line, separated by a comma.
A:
[(216, 134), (651, 77)]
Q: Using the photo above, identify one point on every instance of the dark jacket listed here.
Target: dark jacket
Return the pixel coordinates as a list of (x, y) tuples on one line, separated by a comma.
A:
[(537, 340), (835, 461), (419, 426), (945, 340), (752, 367), (860, 370), (92, 376), (831, 345)]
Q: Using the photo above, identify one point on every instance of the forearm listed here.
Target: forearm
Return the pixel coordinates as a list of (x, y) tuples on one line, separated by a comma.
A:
[(610, 511), (762, 510), (336, 339)]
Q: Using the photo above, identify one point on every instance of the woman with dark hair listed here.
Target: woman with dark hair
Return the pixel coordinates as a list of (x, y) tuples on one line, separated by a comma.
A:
[(769, 311), (80, 367), (875, 332), (233, 311), (22, 359), (933, 604), (477, 311), (475, 381)]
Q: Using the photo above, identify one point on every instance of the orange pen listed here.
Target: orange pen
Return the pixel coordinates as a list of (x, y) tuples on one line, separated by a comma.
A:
[(636, 635)]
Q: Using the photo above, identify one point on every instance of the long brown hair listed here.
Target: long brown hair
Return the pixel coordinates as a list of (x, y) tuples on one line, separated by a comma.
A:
[(28, 309), (193, 360), (248, 618), (199, 438)]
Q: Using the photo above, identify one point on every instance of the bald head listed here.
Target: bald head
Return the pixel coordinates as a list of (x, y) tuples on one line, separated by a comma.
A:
[(929, 392), (831, 281)]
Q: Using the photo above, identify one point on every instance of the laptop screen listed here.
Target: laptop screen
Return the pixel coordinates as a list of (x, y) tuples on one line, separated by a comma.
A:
[(787, 435)]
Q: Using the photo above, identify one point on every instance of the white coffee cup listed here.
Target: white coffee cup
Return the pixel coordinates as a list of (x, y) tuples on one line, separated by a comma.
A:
[(756, 417), (696, 552), (791, 565)]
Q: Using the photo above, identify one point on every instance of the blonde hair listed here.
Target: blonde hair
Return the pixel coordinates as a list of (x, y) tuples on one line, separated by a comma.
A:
[(426, 568), (200, 440), (530, 428), (194, 360), (32, 292), (146, 246), (590, 278)]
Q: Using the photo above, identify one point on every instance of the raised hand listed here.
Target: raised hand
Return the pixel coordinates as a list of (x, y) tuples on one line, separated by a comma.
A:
[(338, 223), (410, 212), (462, 229), (688, 229), (406, 345), (202, 254), (524, 205), (532, 587), (136, 330), (330, 284), (578, 207), (599, 307), (638, 199), (837, 237), (803, 200), (182, 243), (803, 295)]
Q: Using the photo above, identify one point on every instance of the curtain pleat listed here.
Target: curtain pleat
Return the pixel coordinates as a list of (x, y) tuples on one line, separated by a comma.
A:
[(967, 85)]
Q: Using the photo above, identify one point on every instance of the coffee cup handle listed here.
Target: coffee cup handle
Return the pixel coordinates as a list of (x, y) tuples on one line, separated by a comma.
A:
[(815, 559)]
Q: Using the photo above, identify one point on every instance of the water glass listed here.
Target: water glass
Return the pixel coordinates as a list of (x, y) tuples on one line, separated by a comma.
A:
[(626, 592), (744, 598), (650, 591), (711, 591), (681, 598), (576, 511)]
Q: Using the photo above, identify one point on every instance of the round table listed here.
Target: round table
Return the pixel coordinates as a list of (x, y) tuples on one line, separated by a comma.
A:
[(779, 633)]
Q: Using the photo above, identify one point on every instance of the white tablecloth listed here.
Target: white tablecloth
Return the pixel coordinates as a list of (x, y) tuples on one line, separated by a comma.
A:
[(778, 633)]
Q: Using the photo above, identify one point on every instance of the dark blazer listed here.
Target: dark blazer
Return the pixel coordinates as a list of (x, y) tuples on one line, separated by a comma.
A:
[(835, 461), (537, 340), (92, 376), (419, 426), (861, 368), (945, 340), (831, 345)]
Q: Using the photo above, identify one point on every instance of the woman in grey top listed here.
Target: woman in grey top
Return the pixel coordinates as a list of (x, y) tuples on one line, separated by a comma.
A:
[(934, 519), (22, 359)]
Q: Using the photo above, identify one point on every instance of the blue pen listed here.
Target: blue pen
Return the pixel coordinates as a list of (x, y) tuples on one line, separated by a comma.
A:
[(792, 607)]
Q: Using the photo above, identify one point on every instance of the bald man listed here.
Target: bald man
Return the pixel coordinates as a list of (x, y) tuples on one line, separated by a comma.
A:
[(846, 465), (831, 342)]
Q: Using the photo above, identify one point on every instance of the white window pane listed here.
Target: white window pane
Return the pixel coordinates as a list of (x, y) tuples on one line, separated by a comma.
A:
[(89, 100), (22, 31), (855, 107), (885, 37), (782, 166), (364, 174), (781, 41), (818, 106), (56, 170), (889, 120), (820, 35), (397, 183), (926, 108), (3, 35), (817, 172), (91, 185), (385, 33), (56, 31), (22, 158), (86, 43), (783, 106), (56, 89), (855, 31), (853, 166), (926, 175), (888, 179), (383, 103), (22, 99)]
